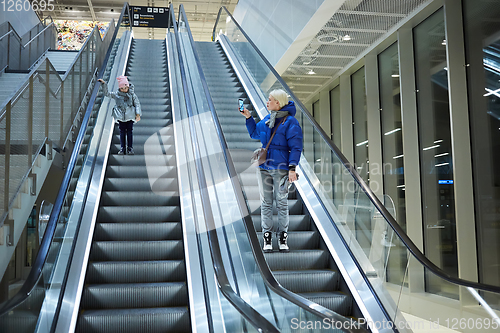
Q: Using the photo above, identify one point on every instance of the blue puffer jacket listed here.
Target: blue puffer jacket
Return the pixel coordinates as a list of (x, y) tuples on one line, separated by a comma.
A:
[(286, 147)]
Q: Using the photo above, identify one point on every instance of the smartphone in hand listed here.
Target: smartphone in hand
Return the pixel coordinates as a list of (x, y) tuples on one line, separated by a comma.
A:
[(240, 104)]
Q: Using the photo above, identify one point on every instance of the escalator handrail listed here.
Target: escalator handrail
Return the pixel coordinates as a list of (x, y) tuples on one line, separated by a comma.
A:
[(36, 270), (249, 313), (414, 250), (268, 277)]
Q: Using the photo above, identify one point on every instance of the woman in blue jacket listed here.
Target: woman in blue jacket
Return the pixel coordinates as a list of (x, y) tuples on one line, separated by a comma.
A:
[(282, 157)]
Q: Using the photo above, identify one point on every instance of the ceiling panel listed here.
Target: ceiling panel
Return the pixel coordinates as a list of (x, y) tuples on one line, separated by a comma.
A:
[(348, 33), (201, 14)]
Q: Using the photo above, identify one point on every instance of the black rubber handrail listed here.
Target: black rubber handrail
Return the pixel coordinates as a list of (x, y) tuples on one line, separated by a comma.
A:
[(414, 250), (269, 278), (43, 251), (249, 313)]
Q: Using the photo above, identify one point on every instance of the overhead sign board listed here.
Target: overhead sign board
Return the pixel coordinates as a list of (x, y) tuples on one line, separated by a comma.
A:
[(149, 17)]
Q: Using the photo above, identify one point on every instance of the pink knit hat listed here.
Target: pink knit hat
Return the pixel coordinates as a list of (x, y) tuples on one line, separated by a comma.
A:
[(122, 81)]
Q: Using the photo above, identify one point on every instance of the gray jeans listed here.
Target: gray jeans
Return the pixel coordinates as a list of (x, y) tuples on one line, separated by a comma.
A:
[(269, 189)]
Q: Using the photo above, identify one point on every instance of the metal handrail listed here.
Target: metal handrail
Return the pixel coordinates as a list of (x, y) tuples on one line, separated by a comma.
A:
[(8, 33), (19, 38), (248, 312), (414, 250), (32, 39), (23, 84), (269, 278), (43, 251)]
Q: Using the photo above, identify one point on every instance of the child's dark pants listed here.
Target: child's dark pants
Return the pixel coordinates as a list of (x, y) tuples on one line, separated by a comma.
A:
[(126, 131)]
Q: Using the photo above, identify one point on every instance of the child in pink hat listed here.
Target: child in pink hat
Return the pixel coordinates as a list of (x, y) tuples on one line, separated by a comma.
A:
[(126, 111)]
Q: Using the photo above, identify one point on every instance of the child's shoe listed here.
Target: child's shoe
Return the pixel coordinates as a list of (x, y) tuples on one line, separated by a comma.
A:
[(121, 152), (130, 151)]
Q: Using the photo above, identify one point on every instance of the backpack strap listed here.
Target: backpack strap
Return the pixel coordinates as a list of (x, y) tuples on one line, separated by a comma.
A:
[(272, 136)]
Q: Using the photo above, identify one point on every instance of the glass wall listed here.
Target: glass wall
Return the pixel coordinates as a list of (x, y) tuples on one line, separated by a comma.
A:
[(392, 156), (482, 40), (318, 163), (274, 24), (436, 165), (392, 131), (335, 116), (315, 110), (360, 124)]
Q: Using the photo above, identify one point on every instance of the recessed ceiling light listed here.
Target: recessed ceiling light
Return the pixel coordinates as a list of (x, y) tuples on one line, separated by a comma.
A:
[(311, 72), (347, 37)]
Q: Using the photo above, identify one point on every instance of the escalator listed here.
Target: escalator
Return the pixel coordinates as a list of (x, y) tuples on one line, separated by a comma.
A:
[(136, 277), (341, 227), (308, 268)]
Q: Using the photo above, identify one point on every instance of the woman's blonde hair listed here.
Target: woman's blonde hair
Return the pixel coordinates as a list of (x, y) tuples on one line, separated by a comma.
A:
[(281, 96)]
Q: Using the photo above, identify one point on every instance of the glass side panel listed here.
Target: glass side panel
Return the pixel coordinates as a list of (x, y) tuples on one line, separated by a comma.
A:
[(239, 262), (392, 155), (360, 123), (483, 56), (436, 163), (335, 116), (364, 229)]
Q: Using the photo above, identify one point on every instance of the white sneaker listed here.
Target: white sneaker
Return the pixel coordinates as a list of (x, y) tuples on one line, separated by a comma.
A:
[(283, 242), (268, 245)]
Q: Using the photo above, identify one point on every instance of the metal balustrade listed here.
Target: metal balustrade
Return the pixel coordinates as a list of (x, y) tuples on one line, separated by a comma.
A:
[(44, 112)]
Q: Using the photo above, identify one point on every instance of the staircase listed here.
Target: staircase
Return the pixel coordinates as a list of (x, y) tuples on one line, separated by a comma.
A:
[(308, 269), (61, 60), (24, 318), (136, 276)]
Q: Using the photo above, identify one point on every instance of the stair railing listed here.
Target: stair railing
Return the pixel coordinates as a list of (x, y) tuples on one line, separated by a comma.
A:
[(20, 54), (38, 275), (44, 112)]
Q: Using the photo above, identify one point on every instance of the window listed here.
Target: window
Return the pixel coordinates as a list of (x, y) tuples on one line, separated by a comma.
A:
[(436, 163)]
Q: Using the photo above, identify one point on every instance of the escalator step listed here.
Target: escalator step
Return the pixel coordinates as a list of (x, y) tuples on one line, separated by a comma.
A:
[(127, 184), (136, 250), (155, 320), (120, 296), (137, 231), (297, 260), (136, 271), (307, 281), (335, 301), (136, 171), (146, 149), (139, 214), (114, 198), (297, 240), (158, 160)]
